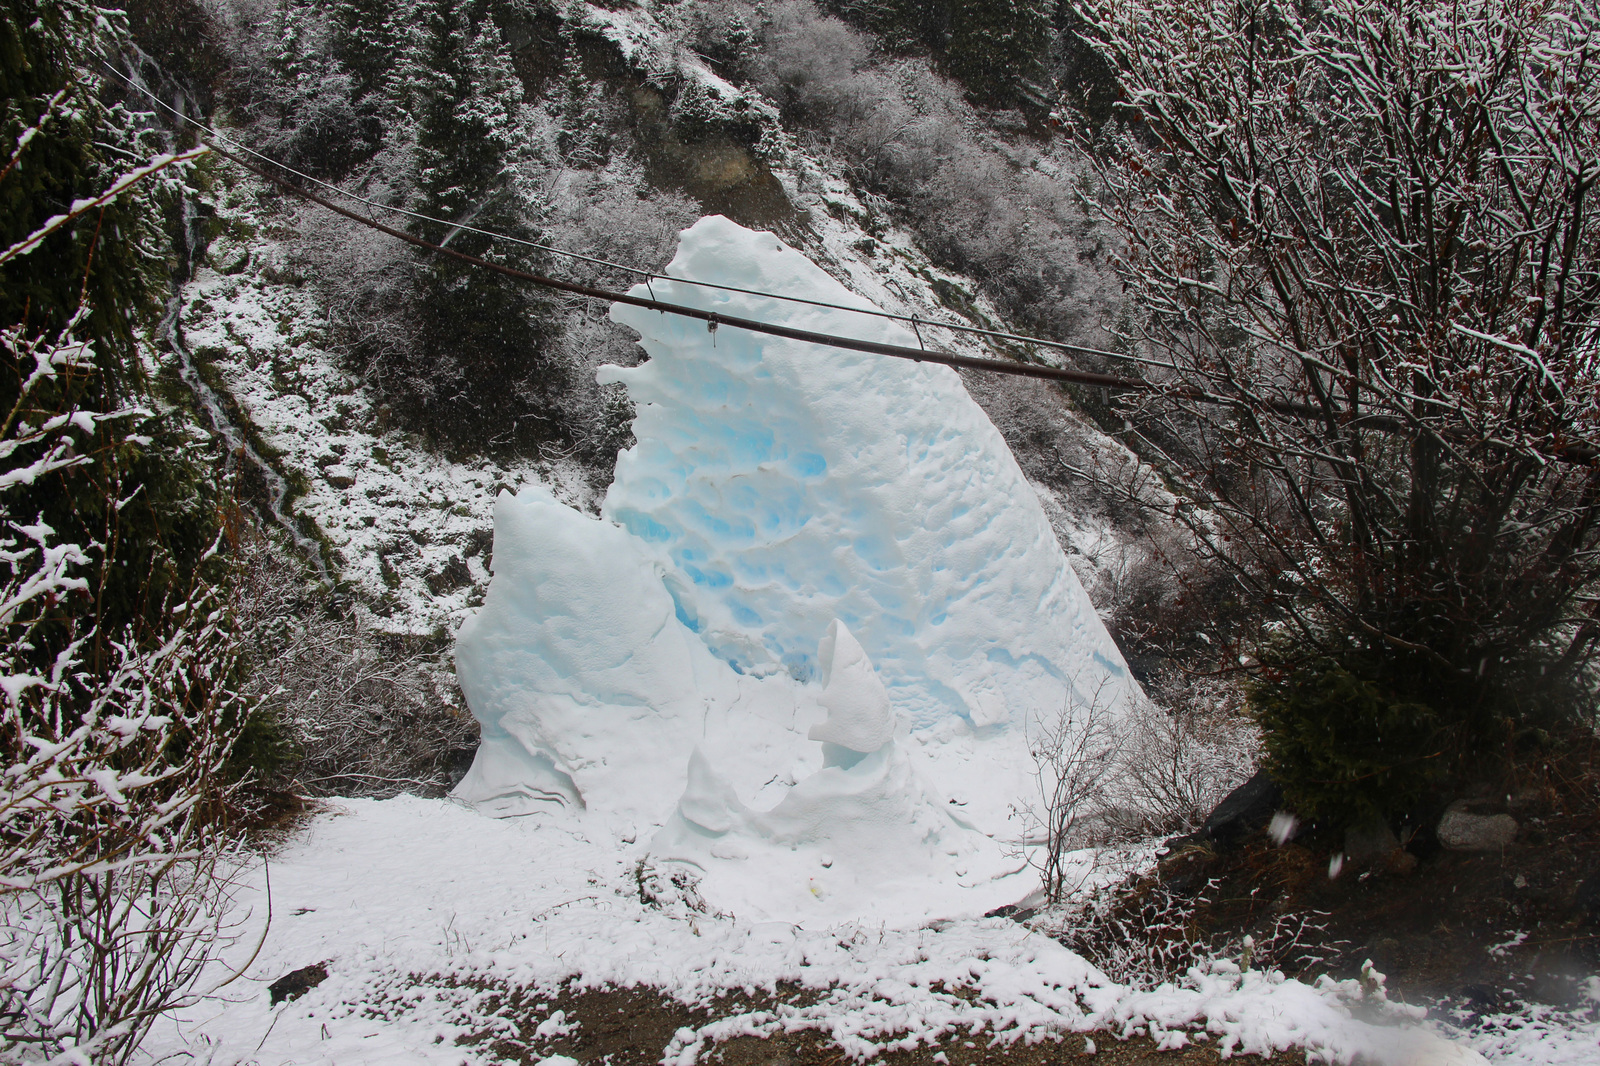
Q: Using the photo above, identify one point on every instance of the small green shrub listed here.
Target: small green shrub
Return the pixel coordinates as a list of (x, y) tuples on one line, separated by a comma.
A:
[(1346, 748)]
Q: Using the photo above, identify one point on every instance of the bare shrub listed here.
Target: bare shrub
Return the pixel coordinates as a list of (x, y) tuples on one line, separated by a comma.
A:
[(1146, 935), (117, 744), (1178, 764), (1075, 755), (364, 719), (1103, 778)]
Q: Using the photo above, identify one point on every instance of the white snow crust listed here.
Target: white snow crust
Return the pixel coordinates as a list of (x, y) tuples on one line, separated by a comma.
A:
[(805, 643)]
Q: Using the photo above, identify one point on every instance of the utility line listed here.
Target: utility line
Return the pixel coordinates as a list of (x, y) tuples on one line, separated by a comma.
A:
[(713, 320), (1575, 453), (650, 275)]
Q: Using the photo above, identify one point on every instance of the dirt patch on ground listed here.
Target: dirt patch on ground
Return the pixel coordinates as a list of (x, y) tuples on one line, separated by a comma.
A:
[(633, 1026), (1478, 930)]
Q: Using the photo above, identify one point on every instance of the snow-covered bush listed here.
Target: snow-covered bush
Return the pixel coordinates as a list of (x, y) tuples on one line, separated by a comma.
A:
[(1179, 760), (1102, 779), (1144, 934), (117, 747)]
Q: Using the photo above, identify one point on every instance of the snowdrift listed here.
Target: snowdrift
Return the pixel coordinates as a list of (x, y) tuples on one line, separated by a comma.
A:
[(806, 643)]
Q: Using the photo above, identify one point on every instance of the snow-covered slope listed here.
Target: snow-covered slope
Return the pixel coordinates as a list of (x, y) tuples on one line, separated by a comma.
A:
[(784, 501), (427, 915)]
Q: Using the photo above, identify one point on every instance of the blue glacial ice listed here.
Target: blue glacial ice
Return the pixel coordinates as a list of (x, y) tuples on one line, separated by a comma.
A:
[(805, 546)]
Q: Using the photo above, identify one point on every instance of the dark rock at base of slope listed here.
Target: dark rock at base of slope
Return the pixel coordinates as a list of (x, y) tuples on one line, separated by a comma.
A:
[(1245, 809), (1015, 911), (1366, 844), (1461, 830), (291, 986)]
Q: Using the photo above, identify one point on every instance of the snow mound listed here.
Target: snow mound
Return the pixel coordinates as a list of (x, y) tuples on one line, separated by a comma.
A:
[(822, 611), (589, 691), (859, 716), (859, 836)]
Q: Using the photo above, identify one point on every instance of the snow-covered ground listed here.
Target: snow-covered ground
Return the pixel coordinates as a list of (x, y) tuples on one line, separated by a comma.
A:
[(424, 910)]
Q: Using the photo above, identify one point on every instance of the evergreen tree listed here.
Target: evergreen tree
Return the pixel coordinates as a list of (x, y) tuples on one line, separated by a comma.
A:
[(48, 80), (328, 121), (366, 42), (998, 48), (98, 281), (483, 343)]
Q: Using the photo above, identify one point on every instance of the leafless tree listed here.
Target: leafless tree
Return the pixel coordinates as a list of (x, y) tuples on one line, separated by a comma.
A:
[(1075, 756), (1362, 238)]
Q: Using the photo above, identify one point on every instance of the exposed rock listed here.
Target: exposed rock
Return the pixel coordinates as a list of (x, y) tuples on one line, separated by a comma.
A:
[(1368, 843), (453, 576), (1400, 861), (1528, 800), (1250, 806), (1246, 808), (1461, 830), (291, 986), (340, 476)]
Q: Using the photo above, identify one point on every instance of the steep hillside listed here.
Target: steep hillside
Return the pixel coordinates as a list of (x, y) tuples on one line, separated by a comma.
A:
[(344, 360)]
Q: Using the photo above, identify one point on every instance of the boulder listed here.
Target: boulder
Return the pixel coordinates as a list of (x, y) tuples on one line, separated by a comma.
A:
[(340, 476), (1461, 830), (1368, 843), (293, 985), (1246, 808)]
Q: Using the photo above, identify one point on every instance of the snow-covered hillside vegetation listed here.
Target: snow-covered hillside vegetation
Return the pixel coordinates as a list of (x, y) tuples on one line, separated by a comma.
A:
[(410, 659)]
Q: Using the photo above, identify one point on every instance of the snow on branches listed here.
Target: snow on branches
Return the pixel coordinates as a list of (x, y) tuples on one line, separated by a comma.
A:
[(1366, 231), (115, 747)]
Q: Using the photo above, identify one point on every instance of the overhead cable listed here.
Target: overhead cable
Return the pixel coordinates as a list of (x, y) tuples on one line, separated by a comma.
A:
[(713, 319), (1577, 452), (916, 321)]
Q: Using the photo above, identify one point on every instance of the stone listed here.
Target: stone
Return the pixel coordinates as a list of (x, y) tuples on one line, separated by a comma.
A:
[(1400, 862), (1365, 844), (1461, 830), (1250, 806), (291, 986), (340, 476)]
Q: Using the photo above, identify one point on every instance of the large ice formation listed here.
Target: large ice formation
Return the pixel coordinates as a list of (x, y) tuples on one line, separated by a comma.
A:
[(818, 618)]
